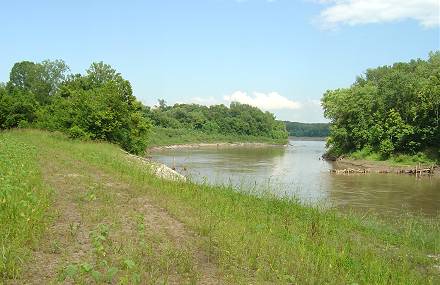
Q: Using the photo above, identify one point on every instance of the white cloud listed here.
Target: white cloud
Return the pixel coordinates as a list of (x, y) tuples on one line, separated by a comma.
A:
[(354, 12), (204, 101), (269, 101)]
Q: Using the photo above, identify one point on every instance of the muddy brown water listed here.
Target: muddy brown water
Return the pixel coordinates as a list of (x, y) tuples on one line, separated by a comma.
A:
[(297, 170)]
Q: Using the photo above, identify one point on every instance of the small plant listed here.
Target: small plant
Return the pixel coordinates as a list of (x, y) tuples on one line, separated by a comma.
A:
[(99, 238), (73, 229)]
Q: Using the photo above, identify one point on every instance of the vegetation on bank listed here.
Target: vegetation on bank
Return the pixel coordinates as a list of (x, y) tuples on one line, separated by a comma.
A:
[(169, 136), (100, 105), (247, 238), (388, 112), (423, 158), (296, 129), (238, 122)]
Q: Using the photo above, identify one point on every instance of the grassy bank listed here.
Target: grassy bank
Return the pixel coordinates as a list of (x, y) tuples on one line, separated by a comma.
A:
[(430, 157), (132, 228), (169, 136)]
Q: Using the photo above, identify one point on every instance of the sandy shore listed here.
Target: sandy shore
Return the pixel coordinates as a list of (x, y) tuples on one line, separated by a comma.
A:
[(213, 145)]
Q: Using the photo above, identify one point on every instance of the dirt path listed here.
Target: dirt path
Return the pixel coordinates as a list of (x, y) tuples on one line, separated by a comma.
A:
[(142, 241), (159, 220)]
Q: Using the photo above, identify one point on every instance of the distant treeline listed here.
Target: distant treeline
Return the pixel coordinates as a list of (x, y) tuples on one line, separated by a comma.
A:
[(307, 129), (100, 105), (238, 119), (388, 110)]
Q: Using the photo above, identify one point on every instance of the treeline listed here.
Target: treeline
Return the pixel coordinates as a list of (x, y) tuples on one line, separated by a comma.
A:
[(100, 105), (238, 119), (307, 129), (389, 110)]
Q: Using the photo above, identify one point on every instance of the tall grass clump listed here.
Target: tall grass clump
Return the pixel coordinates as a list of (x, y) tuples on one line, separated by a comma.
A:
[(23, 202)]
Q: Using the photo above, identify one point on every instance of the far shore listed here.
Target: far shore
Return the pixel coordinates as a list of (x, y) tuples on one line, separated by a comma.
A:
[(307, 138), (211, 145), (230, 144), (380, 166)]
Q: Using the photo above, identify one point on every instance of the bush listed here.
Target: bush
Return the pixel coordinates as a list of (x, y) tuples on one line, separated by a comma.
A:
[(386, 148), (76, 132)]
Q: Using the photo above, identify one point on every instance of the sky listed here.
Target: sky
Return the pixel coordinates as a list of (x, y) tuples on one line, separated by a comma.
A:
[(278, 55)]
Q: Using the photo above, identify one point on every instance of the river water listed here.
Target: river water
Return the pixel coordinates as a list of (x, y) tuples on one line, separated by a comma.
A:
[(297, 170)]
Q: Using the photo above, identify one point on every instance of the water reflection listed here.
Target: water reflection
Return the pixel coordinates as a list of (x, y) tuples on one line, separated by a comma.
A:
[(297, 170)]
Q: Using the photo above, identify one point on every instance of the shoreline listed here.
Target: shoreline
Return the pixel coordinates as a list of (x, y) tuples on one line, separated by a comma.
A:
[(381, 166), (211, 145), (158, 169)]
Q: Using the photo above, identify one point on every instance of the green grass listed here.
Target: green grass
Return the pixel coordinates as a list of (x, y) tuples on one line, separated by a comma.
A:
[(256, 239), (166, 136), (424, 158), (24, 201)]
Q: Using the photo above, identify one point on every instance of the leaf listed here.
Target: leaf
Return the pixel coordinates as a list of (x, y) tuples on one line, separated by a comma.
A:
[(86, 267), (129, 264), (71, 270)]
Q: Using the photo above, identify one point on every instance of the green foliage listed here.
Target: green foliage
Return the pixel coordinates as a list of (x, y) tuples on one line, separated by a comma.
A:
[(237, 120), (307, 130), (76, 132), (99, 105), (426, 158), (170, 136), (40, 79), (15, 107), (391, 110)]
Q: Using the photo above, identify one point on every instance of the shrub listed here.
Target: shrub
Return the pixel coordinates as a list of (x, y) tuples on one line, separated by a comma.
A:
[(386, 148)]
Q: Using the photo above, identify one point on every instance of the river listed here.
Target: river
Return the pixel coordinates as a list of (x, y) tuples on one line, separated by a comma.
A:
[(297, 170)]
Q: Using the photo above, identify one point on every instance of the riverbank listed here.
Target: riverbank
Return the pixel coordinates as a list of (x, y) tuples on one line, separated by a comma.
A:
[(307, 138), (110, 219), (212, 145), (372, 166), (159, 169), (173, 137)]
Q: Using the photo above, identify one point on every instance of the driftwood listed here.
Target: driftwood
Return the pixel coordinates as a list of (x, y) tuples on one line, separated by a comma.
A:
[(418, 171), (349, 171)]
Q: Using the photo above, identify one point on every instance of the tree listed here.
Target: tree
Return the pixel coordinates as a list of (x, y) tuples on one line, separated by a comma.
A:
[(99, 105), (54, 73), (40, 79), (390, 109)]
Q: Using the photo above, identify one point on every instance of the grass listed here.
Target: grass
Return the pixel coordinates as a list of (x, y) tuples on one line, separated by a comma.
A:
[(425, 158), (249, 239), (166, 136), (24, 200)]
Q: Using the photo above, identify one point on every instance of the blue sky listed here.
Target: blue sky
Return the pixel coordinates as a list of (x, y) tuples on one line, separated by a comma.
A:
[(280, 55)]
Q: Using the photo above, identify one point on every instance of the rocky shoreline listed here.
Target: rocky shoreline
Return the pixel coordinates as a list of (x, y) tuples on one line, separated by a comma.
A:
[(158, 169)]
